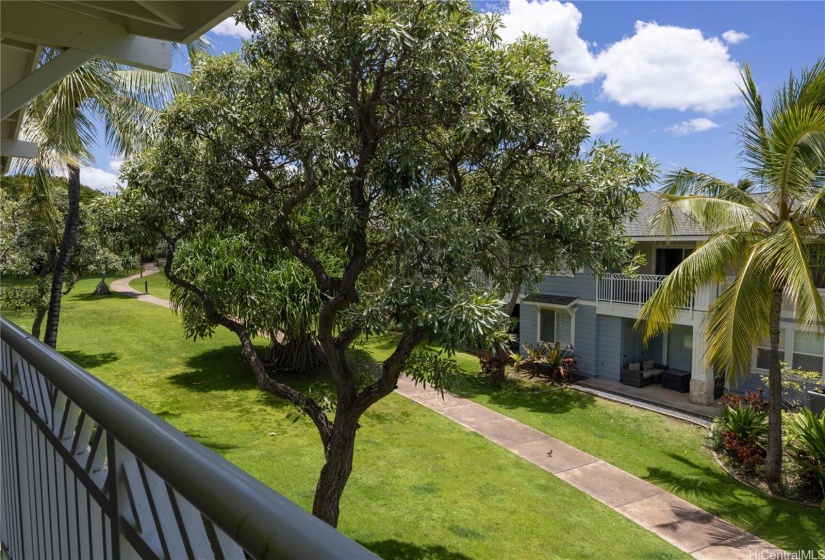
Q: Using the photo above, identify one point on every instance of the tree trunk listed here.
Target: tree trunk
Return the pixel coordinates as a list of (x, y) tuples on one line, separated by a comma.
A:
[(38, 321), (66, 246), (773, 460), (102, 289), (337, 468), (502, 352)]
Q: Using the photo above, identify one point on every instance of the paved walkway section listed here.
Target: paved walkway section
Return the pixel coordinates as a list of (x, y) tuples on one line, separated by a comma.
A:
[(121, 286), (680, 523)]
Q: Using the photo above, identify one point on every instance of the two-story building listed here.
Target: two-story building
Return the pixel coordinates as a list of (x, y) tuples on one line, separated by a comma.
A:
[(595, 314)]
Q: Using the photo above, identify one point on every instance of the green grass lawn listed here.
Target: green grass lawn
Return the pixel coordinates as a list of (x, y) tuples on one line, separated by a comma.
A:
[(422, 486), (158, 286), (666, 452)]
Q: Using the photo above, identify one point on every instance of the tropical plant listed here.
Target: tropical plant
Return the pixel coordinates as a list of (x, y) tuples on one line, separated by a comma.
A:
[(806, 443), (742, 429), (61, 120), (765, 236), (549, 360), (796, 383)]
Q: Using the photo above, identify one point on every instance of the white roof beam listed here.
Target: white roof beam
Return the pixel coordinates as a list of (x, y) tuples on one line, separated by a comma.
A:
[(169, 12), (16, 96), (18, 148), (44, 24)]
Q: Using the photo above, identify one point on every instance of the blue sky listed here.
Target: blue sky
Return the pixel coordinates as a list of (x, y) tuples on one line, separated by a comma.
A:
[(658, 77)]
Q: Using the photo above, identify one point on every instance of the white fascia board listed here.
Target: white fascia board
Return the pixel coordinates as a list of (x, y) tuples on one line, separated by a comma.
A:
[(43, 24), (542, 305), (19, 94), (18, 148), (672, 238)]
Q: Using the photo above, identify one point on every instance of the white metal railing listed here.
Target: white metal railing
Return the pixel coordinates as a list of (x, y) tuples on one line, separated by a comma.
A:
[(619, 288), (87, 473)]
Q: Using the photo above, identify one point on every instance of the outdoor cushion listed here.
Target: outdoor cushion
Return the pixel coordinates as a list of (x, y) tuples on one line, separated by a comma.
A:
[(651, 372), (635, 366), (647, 364)]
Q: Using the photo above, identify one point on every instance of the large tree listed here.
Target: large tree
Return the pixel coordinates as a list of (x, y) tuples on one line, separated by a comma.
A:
[(366, 142), (764, 235)]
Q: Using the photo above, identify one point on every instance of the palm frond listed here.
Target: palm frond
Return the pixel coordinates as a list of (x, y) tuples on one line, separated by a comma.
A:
[(708, 212), (752, 132), (786, 257), (738, 319)]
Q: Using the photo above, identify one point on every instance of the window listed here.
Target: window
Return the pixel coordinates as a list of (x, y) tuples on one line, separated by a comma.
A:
[(668, 259), (556, 326), (808, 349), (763, 351)]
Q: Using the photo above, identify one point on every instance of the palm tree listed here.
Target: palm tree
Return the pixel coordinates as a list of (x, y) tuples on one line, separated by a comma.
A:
[(127, 100), (764, 235)]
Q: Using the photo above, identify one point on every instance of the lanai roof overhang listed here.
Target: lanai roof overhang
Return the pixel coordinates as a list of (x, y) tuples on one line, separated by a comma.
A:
[(134, 32)]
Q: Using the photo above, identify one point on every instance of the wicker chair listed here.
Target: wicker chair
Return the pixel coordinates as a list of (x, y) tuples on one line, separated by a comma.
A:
[(642, 377)]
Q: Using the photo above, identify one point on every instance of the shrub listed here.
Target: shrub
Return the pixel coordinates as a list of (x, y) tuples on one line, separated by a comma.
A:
[(806, 443), (493, 367), (795, 385), (743, 426), (550, 361)]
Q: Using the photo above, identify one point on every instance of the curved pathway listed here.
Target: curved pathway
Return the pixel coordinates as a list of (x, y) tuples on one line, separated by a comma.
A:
[(121, 285), (687, 527)]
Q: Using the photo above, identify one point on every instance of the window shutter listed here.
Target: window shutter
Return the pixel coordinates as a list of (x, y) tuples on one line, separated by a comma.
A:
[(564, 333), (548, 326)]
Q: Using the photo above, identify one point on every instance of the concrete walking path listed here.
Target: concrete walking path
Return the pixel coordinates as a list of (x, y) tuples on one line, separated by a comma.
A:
[(121, 286), (680, 523), (691, 529)]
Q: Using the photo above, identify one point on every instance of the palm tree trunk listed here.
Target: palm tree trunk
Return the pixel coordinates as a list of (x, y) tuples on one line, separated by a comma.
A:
[(773, 461), (66, 246)]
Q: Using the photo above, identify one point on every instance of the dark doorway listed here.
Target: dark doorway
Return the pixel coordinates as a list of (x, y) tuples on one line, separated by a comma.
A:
[(668, 259)]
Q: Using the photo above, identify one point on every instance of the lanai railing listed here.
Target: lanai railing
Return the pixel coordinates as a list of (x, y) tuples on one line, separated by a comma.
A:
[(619, 288), (87, 473)]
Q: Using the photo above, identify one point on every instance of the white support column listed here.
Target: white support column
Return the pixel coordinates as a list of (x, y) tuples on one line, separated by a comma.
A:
[(701, 379)]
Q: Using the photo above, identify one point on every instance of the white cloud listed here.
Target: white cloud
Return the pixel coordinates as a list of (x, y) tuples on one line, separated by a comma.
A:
[(599, 123), (228, 28), (732, 37), (691, 126), (114, 164), (665, 67), (559, 24), (98, 179), (658, 67)]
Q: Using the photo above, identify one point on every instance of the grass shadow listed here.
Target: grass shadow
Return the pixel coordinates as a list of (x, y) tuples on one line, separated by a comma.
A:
[(92, 297), (217, 447), (395, 549), (88, 361), (546, 399)]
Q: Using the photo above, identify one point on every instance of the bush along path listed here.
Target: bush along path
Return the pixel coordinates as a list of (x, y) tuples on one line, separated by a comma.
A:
[(678, 522)]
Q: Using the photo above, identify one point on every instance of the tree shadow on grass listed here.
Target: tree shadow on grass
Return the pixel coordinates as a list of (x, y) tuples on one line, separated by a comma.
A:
[(92, 297), (395, 549), (88, 361), (725, 493), (224, 369), (546, 399)]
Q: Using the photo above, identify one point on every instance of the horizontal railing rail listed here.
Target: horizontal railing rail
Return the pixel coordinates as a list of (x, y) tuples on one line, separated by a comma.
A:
[(636, 290), (87, 473)]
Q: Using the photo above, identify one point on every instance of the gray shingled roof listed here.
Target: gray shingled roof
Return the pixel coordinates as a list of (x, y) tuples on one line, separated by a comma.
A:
[(551, 299), (640, 227)]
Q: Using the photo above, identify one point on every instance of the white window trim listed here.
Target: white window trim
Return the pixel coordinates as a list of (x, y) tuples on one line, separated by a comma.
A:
[(788, 349), (569, 309)]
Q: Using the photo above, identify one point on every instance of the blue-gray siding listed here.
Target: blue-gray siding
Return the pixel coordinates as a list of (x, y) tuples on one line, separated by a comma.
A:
[(597, 338)]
